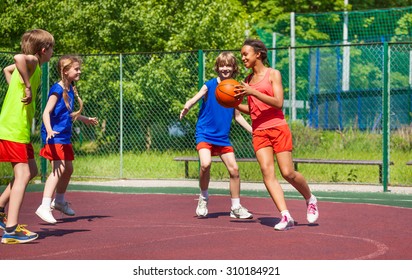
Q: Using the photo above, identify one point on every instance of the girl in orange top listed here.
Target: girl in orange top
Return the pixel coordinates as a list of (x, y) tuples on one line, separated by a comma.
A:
[(271, 134)]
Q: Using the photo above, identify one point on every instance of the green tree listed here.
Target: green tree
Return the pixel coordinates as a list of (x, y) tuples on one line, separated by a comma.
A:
[(113, 26)]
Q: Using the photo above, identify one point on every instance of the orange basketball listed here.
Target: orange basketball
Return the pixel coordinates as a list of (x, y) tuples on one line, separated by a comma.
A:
[(225, 92)]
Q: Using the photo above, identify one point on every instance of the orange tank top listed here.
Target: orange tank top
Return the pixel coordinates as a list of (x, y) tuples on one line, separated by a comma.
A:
[(263, 115)]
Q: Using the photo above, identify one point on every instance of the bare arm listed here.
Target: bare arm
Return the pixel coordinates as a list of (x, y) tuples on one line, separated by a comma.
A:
[(276, 101), (88, 120), (241, 120), (8, 71), (244, 108), (26, 65), (51, 103), (189, 104)]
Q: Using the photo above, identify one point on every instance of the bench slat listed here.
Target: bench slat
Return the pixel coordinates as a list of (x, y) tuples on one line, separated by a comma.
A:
[(299, 160), (296, 161)]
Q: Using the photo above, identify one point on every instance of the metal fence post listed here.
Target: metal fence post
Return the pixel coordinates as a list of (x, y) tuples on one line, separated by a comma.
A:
[(121, 115), (386, 117), (201, 68)]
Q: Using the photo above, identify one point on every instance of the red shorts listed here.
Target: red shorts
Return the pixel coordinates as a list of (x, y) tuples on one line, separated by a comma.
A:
[(278, 137), (214, 149), (15, 152), (57, 152)]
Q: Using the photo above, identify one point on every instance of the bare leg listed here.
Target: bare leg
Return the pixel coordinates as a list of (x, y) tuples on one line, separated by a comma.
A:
[(59, 179), (288, 172), (205, 165), (267, 166), (17, 191), (234, 185), (5, 196), (65, 177)]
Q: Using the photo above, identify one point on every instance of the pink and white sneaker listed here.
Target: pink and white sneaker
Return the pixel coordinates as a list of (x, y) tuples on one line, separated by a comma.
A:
[(285, 223), (312, 213)]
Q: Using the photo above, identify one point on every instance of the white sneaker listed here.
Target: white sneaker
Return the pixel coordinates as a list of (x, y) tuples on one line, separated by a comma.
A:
[(240, 213), (201, 210), (45, 213), (285, 223), (312, 213), (63, 207)]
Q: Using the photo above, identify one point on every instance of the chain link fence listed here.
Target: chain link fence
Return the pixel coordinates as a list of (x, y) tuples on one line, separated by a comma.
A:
[(138, 97)]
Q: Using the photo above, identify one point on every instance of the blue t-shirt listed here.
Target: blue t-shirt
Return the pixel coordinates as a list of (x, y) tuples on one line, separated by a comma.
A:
[(60, 118), (214, 121)]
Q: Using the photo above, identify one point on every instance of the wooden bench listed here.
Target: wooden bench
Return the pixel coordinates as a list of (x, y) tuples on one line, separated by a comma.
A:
[(409, 162), (296, 161)]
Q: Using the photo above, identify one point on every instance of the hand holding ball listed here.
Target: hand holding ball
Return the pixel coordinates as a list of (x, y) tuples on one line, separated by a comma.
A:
[(225, 92)]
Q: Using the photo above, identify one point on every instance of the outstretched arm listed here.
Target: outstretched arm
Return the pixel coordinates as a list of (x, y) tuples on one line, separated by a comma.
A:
[(88, 120), (189, 104)]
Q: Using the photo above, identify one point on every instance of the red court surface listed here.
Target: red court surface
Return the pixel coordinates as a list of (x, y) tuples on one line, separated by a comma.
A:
[(111, 226)]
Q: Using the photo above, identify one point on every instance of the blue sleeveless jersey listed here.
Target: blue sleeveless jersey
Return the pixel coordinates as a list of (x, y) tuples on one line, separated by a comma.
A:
[(60, 118), (214, 121)]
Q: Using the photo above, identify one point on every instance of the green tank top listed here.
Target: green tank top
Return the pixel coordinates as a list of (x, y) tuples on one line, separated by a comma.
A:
[(15, 117)]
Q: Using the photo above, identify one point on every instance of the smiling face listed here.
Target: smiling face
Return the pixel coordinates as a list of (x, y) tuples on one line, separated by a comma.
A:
[(226, 66), (73, 73), (249, 56), (225, 72)]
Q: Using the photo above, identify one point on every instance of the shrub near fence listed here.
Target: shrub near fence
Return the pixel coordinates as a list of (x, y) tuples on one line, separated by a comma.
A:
[(138, 98)]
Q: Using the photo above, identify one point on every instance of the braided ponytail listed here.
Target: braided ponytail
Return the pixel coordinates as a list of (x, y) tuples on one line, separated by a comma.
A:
[(76, 114), (65, 62)]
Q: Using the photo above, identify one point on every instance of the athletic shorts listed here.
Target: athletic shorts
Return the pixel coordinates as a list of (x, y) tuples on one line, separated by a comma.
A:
[(57, 152), (15, 152), (278, 137), (214, 149)]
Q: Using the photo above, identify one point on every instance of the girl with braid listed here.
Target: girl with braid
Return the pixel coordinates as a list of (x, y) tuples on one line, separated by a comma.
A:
[(56, 131)]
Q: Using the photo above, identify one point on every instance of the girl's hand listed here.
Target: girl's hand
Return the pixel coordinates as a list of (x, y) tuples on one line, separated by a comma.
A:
[(50, 135), (93, 121), (243, 90)]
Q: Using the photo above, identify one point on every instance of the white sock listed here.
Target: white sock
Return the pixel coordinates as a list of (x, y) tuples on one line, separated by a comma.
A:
[(235, 202), (312, 199), (46, 201), (286, 213), (205, 194), (59, 197)]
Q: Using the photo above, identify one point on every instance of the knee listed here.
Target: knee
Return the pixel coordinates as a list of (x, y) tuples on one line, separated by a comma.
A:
[(205, 167), (23, 176), (234, 172), (289, 175), (266, 169), (65, 169)]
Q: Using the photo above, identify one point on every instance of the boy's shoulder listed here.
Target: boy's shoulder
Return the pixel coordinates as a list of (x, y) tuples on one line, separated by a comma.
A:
[(211, 82)]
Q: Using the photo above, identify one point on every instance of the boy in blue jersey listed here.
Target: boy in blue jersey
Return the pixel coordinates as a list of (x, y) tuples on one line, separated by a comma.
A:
[(212, 136)]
